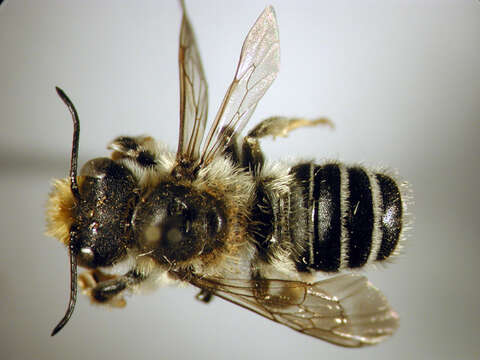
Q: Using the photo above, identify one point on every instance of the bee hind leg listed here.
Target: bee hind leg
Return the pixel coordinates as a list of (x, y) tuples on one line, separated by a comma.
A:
[(204, 296), (281, 126), (107, 289), (232, 149), (141, 149), (252, 156)]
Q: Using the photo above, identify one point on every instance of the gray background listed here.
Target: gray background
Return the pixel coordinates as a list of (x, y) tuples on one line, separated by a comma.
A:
[(401, 81)]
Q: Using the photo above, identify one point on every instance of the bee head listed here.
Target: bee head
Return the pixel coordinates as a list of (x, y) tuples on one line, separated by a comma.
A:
[(91, 213), (101, 231)]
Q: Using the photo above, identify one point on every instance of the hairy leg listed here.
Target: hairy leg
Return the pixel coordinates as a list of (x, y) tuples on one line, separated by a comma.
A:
[(252, 156), (107, 289), (138, 148)]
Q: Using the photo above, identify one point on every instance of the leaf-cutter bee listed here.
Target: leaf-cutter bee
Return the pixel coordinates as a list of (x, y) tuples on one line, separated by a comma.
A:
[(217, 215)]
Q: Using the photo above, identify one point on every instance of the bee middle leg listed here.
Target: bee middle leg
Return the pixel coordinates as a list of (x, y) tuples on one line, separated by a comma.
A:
[(107, 289)]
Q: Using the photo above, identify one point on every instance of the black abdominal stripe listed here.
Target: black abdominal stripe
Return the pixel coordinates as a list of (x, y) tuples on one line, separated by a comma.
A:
[(355, 216)]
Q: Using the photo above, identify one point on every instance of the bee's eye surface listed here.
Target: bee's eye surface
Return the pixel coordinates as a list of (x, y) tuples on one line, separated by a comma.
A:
[(86, 257)]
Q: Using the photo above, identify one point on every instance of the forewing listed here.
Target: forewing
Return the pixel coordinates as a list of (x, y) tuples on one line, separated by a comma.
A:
[(257, 68), (346, 310), (193, 93)]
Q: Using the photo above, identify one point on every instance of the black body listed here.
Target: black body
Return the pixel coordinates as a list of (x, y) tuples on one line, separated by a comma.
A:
[(330, 209), (175, 223), (107, 197)]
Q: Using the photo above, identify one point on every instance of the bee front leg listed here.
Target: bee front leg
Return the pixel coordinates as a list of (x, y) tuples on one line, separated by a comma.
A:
[(107, 289), (141, 149)]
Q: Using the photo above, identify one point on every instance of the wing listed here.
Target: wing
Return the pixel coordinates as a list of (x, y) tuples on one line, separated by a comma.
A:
[(346, 310), (257, 68), (193, 93)]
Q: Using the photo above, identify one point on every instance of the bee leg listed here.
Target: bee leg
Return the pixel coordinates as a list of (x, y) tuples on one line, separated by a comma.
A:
[(281, 126), (252, 156), (204, 296), (139, 148), (232, 149), (106, 289)]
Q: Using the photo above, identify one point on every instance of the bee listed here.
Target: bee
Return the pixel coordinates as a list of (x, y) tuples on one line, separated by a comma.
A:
[(217, 215)]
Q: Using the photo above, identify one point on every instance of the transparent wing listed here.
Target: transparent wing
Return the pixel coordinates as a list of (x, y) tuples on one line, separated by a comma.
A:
[(257, 68), (346, 310), (193, 93)]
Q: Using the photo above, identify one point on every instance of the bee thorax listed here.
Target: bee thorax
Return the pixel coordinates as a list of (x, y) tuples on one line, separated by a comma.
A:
[(177, 223)]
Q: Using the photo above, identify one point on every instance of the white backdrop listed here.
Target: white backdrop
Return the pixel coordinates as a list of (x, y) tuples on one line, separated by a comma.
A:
[(400, 79)]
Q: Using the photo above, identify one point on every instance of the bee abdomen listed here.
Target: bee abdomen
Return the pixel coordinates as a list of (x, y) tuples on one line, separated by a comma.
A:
[(354, 216)]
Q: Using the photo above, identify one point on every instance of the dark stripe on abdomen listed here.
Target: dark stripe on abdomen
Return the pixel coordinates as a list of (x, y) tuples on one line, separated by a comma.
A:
[(303, 176), (360, 220), (391, 217), (327, 227), (354, 217), (321, 187)]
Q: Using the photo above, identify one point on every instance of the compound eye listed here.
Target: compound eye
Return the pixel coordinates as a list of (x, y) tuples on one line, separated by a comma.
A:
[(86, 257), (96, 168)]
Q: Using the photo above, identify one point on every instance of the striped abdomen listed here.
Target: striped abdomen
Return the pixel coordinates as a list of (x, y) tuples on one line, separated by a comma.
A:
[(355, 216)]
